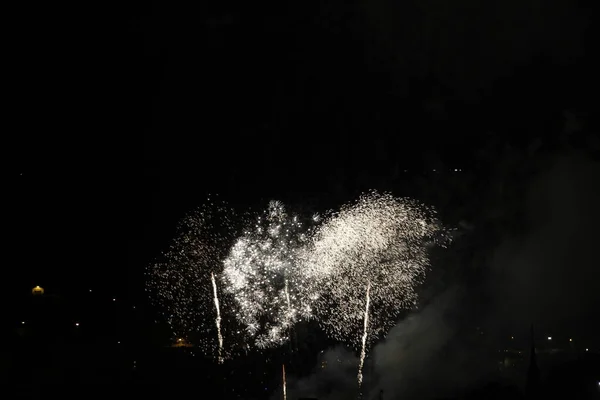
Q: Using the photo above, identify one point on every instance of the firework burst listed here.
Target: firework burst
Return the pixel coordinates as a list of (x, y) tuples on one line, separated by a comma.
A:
[(368, 259), (263, 273), (182, 283), (355, 273)]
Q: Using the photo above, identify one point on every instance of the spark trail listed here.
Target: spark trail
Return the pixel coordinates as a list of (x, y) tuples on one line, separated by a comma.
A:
[(287, 294), (363, 351), (284, 383), (218, 318)]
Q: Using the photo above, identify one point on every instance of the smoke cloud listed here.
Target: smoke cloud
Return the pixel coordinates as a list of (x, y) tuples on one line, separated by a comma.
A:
[(546, 275), (333, 379), (549, 275)]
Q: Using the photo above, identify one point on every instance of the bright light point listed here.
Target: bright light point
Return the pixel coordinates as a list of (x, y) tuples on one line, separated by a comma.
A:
[(586, 349), (512, 337), (570, 340), (76, 323), (114, 299), (549, 337), (119, 342), (22, 322), (90, 290)]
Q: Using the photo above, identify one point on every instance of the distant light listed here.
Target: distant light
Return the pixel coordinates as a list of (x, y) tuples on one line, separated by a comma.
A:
[(570, 340), (114, 299), (549, 337), (37, 290), (22, 322), (586, 349), (76, 323), (512, 338), (119, 342), (90, 290), (455, 169)]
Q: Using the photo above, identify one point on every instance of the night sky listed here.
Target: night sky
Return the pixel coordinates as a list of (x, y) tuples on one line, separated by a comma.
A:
[(122, 119)]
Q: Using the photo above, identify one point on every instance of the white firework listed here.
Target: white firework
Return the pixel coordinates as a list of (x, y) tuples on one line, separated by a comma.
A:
[(263, 272), (377, 245), (182, 283)]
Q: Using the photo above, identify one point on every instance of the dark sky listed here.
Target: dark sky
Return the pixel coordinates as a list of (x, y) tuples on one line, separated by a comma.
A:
[(123, 118)]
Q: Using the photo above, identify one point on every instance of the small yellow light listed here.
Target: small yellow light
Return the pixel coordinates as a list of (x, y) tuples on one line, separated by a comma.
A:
[(37, 290), (570, 340), (22, 322)]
